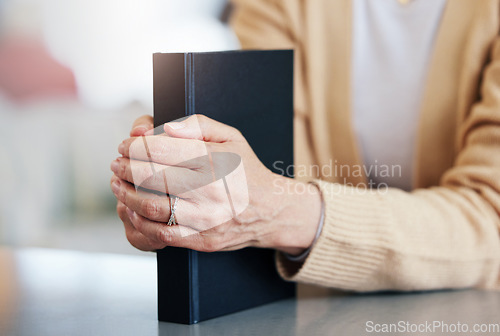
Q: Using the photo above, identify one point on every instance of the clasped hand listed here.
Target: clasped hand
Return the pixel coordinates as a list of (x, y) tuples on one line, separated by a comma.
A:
[(227, 198)]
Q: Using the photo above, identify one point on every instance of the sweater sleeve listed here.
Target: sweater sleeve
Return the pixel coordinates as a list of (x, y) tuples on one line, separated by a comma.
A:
[(441, 237)]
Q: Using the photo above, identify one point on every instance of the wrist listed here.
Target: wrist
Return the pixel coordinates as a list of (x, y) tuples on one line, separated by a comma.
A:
[(298, 218)]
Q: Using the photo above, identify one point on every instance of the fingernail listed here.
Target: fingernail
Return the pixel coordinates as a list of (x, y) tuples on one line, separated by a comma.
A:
[(115, 186), (150, 132), (114, 166), (130, 213), (121, 148), (176, 125), (139, 129)]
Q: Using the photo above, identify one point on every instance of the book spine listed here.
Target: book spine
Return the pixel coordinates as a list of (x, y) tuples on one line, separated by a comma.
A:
[(189, 88), (169, 88), (189, 83), (176, 284), (194, 287)]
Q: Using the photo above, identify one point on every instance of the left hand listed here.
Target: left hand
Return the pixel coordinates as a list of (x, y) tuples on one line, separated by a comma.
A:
[(216, 210)]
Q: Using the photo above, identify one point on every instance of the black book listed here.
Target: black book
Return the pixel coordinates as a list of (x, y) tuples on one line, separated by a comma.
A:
[(253, 92)]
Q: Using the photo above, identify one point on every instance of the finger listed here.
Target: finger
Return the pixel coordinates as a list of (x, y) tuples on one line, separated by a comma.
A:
[(165, 179), (142, 125), (202, 128), (146, 204), (151, 206), (157, 207), (175, 235), (164, 150), (135, 238)]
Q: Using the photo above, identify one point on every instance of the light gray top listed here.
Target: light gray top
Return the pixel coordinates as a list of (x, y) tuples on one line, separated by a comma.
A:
[(392, 46), (54, 292)]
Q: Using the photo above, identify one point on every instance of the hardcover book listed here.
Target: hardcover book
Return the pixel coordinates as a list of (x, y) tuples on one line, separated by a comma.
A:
[(253, 92)]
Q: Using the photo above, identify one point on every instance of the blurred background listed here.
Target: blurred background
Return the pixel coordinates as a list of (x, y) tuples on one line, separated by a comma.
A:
[(74, 74)]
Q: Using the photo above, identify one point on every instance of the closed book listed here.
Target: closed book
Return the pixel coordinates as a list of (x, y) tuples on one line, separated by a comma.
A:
[(253, 92)]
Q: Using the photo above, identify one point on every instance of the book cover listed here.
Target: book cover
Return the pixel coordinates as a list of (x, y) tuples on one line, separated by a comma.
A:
[(253, 92)]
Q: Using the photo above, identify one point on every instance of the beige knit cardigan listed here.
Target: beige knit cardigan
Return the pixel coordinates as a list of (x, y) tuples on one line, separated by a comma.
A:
[(443, 234)]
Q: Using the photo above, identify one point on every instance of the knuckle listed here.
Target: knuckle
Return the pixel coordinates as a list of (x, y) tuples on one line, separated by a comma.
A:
[(159, 149), (202, 118), (163, 236), (151, 208), (136, 148), (123, 169), (235, 133)]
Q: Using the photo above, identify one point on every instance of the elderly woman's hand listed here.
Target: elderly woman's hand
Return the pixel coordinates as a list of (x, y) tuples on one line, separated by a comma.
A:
[(227, 198)]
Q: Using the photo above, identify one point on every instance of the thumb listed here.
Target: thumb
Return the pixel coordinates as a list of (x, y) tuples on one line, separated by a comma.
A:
[(203, 128)]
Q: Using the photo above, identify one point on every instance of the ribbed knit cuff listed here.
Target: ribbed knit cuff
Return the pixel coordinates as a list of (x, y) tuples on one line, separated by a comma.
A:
[(351, 249)]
